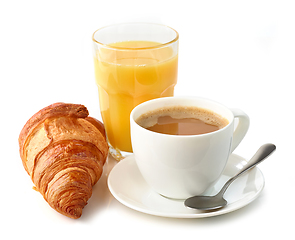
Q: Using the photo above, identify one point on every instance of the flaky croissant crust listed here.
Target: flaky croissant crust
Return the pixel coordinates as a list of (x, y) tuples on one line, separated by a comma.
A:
[(64, 150)]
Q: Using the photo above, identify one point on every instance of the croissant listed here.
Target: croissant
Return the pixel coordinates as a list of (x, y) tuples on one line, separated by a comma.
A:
[(64, 150)]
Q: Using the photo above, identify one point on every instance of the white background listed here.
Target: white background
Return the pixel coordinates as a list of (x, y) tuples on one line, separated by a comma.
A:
[(239, 53)]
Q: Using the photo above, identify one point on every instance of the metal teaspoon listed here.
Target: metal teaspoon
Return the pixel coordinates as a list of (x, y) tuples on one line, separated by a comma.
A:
[(217, 201)]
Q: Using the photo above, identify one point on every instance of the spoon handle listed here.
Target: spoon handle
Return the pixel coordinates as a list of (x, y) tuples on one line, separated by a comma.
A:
[(262, 153)]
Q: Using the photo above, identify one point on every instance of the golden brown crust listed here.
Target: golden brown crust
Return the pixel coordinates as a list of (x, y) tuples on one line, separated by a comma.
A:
[(98, 124), (64, 150), (53, 110)]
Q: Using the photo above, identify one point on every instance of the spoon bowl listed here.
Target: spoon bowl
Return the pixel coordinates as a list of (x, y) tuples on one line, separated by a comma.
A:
[(217, 201), (206, 202)]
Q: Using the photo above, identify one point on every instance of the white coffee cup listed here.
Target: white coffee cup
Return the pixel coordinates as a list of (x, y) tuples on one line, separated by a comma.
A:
[(178, 166)]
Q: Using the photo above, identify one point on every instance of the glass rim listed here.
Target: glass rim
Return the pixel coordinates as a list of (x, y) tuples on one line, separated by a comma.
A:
[(175, 39)]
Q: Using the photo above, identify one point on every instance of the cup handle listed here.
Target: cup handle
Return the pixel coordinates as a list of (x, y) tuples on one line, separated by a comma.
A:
[(241, 128)]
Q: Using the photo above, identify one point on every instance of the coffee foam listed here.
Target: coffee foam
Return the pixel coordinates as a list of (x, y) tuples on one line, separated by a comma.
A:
[(150, 118)]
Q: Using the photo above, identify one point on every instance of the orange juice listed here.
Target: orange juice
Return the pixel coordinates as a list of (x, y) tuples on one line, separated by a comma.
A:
[(127, 74)]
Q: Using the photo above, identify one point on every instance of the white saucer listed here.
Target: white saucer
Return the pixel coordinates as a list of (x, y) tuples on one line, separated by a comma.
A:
[(128, 187)]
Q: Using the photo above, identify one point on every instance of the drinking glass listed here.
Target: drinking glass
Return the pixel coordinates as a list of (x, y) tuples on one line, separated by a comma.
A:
[(133, 62)]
